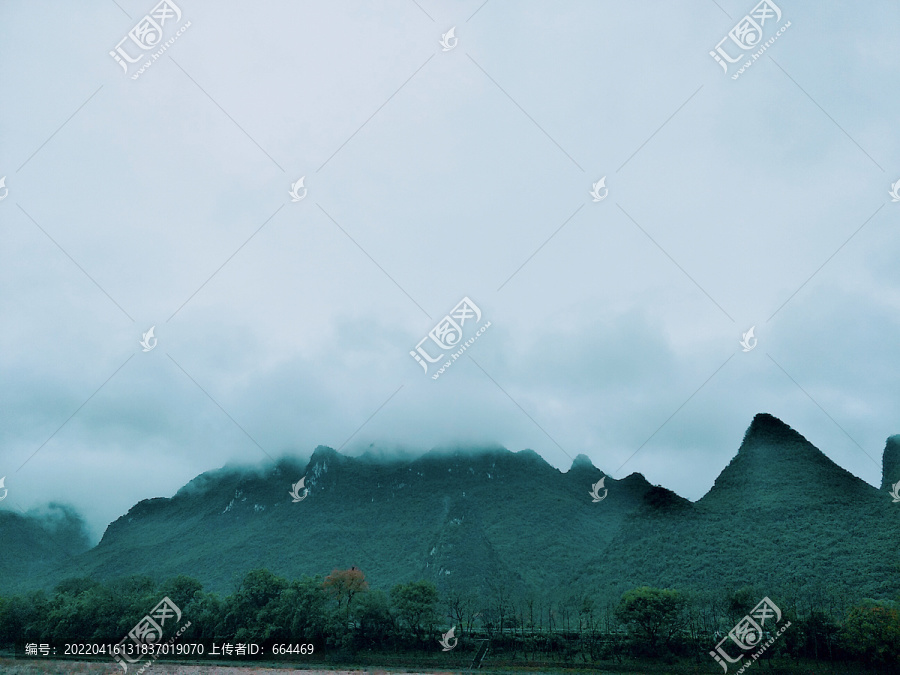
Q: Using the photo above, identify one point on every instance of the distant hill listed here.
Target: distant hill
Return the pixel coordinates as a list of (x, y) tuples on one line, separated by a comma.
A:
[(781, 514), (39, 544)]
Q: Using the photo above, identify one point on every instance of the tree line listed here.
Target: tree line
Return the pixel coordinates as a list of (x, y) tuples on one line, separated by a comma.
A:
[(343, 617)]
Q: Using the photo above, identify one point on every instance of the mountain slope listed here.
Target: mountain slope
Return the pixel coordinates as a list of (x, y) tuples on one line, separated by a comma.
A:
[(470, 518), (781, 515), (39, 544)]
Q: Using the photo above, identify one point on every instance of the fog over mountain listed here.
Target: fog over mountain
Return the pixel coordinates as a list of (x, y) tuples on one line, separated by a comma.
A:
[(781, 511), (434, 175)]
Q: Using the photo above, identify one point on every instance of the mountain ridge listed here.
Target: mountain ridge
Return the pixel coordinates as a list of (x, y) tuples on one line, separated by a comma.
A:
[(472, 519)]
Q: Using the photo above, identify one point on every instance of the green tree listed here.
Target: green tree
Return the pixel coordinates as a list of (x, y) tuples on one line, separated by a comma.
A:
[(820, 633), (651, 614), (415, 605), (308, 599), (873, 632), (180, 590), (249, 615), (75, 586), (23, 618), (376, 625), (739, 603), (207, 613)]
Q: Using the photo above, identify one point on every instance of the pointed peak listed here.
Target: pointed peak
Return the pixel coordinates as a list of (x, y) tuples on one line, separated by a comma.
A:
[(776, 464), (769, 440), (766, 422), (582, 462), (322, 457), (636, 480), (323, 452), (767, 428), (890, 463)]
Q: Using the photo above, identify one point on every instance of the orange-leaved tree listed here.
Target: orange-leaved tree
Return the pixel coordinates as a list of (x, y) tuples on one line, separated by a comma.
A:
[(344, 585)]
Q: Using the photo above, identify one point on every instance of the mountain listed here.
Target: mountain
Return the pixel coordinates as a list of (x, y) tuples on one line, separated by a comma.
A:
[(459, 518), (39, 543), (890, 474), (780, 515)]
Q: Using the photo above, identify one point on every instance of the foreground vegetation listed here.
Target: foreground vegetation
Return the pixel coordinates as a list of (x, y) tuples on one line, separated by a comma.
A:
[(347, 622)]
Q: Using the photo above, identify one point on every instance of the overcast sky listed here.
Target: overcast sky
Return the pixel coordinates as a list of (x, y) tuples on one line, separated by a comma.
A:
[(432, 175)]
